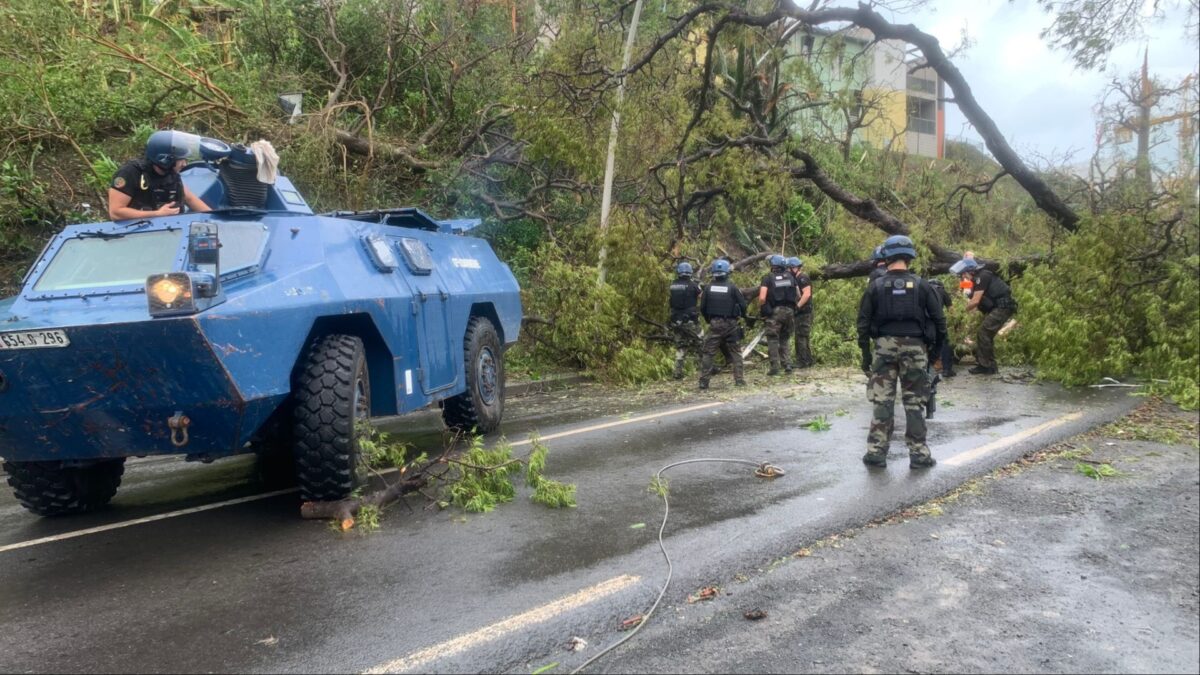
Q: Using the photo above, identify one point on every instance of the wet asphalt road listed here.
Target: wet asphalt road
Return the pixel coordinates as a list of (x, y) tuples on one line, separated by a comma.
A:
[(251, 587)]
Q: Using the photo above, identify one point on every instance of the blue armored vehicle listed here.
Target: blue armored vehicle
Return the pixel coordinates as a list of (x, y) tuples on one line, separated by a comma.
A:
[(259, 323)]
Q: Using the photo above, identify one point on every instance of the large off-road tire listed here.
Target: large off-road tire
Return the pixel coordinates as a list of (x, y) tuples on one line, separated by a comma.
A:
[(332, 394), (52, 489), (481, 406)]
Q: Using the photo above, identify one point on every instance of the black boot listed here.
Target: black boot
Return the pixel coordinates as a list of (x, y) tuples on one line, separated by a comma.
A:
[(875, 459), (921, 461)]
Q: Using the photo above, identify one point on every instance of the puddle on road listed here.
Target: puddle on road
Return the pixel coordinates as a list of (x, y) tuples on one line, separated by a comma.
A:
[(697, 501)]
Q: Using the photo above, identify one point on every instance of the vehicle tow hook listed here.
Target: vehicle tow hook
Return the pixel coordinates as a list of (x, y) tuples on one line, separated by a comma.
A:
[(766, 470), (178, 424)]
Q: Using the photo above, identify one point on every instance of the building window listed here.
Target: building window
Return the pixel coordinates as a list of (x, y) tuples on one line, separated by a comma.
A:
[(922, 115), (921, 84), (858, 108)]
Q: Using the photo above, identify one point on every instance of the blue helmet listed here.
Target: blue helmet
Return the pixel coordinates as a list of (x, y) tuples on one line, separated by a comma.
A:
[(795, 262), (684, 269), (720, 268), (777, 260), (964, 265), (898, 246), (167, 147), (877, 254)]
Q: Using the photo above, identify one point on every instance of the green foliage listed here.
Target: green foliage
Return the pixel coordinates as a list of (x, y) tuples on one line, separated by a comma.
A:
[(801, 217), (20, 187), (1097, 471), (366, 520), (377, 450), (834, 339), (660, 486), (103, 170), (547, 492), (817, 424), (484, 482), (1109, 308), (72, 109)]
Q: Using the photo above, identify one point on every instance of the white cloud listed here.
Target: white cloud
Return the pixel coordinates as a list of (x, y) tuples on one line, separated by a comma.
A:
[(1034, 94)]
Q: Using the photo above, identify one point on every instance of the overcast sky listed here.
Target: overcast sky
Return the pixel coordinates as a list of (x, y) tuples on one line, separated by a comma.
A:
[(1035, 94)]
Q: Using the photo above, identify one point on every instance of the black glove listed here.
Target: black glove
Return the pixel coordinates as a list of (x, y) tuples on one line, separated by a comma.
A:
[(750, 321), (764, 311), (865, 347)]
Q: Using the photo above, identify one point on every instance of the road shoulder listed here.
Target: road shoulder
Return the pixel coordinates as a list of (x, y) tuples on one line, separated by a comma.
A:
[(1038, 566)]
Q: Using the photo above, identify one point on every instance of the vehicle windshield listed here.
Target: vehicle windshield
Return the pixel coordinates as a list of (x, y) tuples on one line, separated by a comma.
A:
[(103, 261)]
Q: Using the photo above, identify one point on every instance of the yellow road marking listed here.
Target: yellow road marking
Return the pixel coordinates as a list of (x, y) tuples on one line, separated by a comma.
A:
[(506, 626), (267, 495), (976, 453)]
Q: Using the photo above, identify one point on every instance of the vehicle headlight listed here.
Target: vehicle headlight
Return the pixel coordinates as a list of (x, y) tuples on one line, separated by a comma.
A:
[(167, 290), (170, 294)]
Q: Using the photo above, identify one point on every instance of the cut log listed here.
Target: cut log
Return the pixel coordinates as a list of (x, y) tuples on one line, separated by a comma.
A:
[(344, 510)]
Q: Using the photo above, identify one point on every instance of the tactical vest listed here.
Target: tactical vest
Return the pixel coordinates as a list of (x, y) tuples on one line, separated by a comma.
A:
[(996, 293), (718, 300), (781, 290), (148, 190), (684, 301), (802, 282), (899, 306)]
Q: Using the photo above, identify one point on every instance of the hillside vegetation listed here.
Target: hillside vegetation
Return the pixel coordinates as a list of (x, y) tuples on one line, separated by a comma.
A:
[(502, 110)]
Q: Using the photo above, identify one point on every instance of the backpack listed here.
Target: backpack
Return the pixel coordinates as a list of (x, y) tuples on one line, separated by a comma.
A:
[(940, 289)]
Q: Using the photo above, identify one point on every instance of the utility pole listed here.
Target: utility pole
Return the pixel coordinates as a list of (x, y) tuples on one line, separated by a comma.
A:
[(606, 198)]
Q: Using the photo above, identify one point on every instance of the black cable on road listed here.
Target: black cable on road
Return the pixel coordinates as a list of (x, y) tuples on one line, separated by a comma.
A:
[(761, 469)]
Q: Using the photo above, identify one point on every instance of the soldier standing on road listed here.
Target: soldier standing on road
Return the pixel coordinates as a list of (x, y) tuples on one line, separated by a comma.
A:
[(685, 315), (804, 314), (992, 296), (903, 315), (777, 298), (721, 305)]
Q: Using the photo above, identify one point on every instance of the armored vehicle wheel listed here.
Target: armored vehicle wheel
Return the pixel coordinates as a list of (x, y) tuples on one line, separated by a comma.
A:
[(482, 404), (52, 489), (332, 394)]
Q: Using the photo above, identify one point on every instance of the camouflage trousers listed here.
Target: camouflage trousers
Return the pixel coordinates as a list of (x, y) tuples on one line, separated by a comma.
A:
[(985, 342), (723, 335), (903, 359), (685, 335), (780, 325), (804, 322)]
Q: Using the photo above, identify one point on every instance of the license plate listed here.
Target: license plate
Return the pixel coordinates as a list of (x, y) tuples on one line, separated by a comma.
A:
[(33, 339)]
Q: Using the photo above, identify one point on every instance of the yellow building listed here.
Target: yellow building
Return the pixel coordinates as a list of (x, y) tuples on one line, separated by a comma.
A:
[(899, 106)]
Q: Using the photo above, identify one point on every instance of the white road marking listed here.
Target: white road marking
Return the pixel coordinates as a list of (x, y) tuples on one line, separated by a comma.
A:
[(140, 521), (975, 453), (618, 423), (267, 495), (501, 628)]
